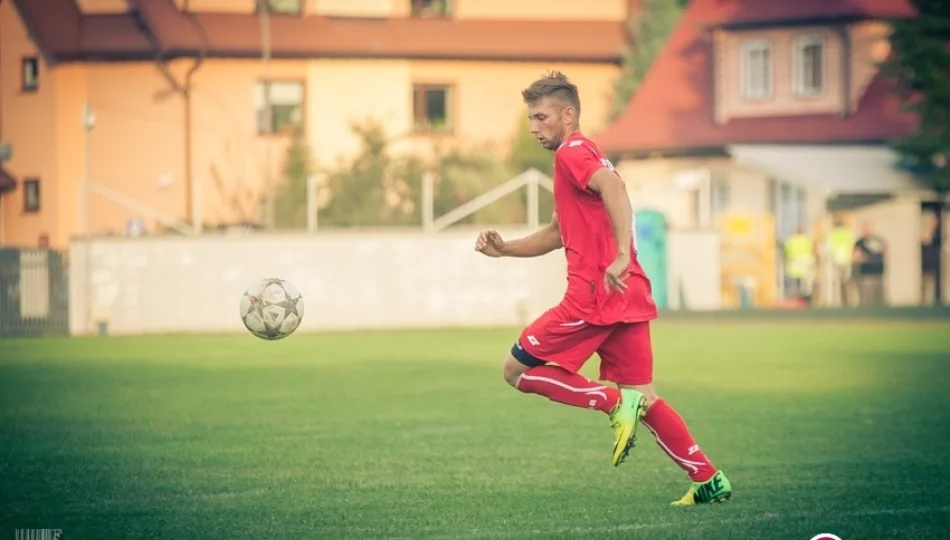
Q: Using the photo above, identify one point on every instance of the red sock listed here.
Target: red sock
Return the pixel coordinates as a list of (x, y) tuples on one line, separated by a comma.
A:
[(562, 386), (674, 438)]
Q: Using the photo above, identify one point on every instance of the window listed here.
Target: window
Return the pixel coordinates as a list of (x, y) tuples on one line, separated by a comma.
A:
[(719, 195), (31, 74), (756, 70), (31, 195), (431, 8), (280, 7), (809, 66), (430, 109), (284, 113), (789, 209)]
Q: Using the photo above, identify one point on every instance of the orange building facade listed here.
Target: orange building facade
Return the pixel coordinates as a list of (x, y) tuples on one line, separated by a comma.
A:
[(163, 108)]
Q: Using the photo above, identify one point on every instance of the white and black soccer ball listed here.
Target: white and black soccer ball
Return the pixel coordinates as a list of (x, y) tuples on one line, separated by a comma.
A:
[(271, 308)]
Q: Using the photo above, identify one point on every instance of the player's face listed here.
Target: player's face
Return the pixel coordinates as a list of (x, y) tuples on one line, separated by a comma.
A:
[(550, 119)]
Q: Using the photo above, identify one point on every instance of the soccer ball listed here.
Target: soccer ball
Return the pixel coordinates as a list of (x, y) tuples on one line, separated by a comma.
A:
[(271, 308)]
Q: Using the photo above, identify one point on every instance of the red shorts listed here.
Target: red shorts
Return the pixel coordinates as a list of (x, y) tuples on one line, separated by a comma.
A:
[(626, 354)]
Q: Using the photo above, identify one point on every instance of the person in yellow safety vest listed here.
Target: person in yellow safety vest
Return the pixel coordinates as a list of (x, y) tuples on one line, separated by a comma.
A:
[(841, 241), (800, 265)]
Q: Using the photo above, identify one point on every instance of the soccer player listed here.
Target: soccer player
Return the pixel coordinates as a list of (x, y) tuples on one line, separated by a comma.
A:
[(608, 305)]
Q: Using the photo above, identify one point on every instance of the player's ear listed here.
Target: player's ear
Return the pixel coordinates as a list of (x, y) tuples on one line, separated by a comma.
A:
[(568, 114)]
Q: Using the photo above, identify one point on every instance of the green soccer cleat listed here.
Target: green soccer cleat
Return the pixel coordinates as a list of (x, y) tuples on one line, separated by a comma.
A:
[(624, 418), (716, 489)]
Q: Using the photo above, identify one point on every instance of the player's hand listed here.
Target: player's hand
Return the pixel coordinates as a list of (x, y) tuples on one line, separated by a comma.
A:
[(490, 243), (616, 274)]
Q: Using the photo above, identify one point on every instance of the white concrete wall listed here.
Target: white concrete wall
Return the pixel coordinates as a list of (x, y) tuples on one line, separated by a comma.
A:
[(695, 271), (349, 280)]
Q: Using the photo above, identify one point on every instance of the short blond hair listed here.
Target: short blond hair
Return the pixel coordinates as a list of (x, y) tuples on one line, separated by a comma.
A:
[(553, 83)]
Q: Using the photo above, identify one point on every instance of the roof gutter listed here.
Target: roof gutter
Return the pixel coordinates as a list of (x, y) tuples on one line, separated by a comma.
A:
[(788, 22)]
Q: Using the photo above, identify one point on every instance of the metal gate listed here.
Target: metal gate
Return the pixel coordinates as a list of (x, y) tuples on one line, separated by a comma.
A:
[(34, 293)]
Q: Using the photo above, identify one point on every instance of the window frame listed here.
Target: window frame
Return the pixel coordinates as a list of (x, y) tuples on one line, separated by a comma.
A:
[(798, 55), (417, 101), (416, 8), (270, 130), (24, 62), (271, 11), (748, 47), (29, 184)]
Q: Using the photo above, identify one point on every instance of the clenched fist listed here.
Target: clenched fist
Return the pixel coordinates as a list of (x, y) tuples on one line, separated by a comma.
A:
[(490, 243)]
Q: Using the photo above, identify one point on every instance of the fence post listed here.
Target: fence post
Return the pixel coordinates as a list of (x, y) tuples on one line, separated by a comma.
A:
[(312, 207), (428, 201), (533, 203)]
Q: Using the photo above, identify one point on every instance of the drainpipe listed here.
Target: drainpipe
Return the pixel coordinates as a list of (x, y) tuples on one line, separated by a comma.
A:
[(184, 90), (192, 203), (193, 208), (845, 70)]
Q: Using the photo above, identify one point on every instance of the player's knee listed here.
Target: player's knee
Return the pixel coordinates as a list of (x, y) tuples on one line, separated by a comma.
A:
[(512, 370)]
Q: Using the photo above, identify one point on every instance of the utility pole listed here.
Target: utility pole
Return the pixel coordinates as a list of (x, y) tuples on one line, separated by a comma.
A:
[(263, 9)]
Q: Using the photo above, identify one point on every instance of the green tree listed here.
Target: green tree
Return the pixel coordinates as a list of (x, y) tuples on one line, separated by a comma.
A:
[(290, 202), (527, 153), (921, 67), (648, 28), (370, 190), (466, 174), (378, 189)]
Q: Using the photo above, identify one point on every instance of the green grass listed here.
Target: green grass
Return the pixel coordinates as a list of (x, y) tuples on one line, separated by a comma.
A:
[(829, 427)]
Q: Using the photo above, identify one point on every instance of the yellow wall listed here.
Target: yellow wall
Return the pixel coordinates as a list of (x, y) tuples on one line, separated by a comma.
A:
[(364, 8), (136, 140), (484, 107), (71, 85), (138, 146), (29, 120), (103, 6), (342, 92), (219, 6), (570, 10), (487, 95), (230, 157)]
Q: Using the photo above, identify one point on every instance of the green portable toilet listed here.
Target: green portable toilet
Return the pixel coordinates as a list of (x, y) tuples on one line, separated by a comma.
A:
[(651, 251)]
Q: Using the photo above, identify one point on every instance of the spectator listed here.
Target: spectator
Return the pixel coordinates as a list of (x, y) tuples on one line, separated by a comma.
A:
[(869, 254)]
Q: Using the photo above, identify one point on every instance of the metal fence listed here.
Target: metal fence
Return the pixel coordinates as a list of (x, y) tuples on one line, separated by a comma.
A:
[(34, 293)]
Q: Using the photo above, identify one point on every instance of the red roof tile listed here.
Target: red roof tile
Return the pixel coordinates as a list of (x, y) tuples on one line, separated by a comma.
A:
[(673, 109), (745, 12), (55, 34), (73, 36)]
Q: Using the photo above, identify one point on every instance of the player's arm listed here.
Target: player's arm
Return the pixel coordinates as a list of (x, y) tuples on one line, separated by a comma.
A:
[(614, 194), (540, 242)]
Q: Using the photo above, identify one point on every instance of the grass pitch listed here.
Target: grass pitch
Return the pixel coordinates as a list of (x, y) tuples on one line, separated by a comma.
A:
[(831, 427)]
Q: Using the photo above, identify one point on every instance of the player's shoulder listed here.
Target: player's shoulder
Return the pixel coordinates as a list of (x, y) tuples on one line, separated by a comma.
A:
[(578, 145)]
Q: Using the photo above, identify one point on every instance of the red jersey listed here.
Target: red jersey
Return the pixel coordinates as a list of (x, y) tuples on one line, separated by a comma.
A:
[(589, 242)]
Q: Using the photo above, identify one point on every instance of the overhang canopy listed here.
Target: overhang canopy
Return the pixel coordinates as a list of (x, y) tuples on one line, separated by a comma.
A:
[(843, 170)]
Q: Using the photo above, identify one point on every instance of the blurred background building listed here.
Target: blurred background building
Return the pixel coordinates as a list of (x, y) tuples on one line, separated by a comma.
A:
[(756, 140)]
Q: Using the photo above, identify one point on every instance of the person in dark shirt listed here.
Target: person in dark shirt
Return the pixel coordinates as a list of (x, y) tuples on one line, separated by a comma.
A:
[(929, 253), (869, 260)]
